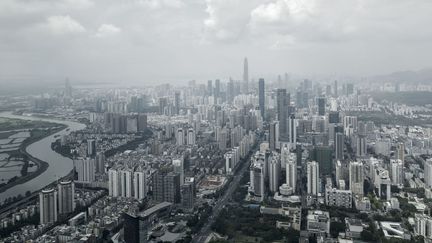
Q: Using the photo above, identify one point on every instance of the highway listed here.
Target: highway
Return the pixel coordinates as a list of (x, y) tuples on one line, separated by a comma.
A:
[(205, 231)]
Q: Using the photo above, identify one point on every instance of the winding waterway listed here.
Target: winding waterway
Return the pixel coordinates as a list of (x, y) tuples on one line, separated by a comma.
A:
[(59, 166)]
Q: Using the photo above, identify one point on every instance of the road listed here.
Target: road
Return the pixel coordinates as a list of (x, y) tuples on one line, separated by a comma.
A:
[(220, 204)]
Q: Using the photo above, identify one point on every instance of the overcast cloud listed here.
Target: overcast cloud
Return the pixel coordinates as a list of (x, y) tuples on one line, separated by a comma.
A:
[(146, 41)]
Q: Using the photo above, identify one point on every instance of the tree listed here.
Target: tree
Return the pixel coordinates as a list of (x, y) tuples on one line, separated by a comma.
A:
[(336, 227)]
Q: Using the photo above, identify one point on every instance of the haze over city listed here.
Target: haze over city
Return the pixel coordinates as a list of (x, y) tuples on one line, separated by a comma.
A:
[(215, 121)]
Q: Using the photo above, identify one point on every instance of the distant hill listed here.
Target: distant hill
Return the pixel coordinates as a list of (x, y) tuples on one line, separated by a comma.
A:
[(420, 76)]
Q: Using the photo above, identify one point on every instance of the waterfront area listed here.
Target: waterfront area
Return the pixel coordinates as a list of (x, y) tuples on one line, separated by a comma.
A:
[(52, 165)]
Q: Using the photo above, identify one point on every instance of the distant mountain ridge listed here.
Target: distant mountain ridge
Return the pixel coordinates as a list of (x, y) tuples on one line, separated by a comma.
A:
[(420, 76)]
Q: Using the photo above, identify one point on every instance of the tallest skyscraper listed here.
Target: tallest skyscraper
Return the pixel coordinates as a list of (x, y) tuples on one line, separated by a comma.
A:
[(245, 76)]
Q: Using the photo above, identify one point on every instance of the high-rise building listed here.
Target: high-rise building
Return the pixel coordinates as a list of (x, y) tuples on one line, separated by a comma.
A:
[(361, 146), (397, 172), (335, 92), (91, 147), (321, 105), (230, 91), (274, 172), (428, 172), (338, 173), (113, 183), (136, 226), (261, 95), (100, 162), (48, 206), (323, 156), (334, 117), (291, 172), (191, 137), (131, 228), (246, 76), (166, 187), (339, 146), (356, 177), (180, 137), (177, 102), (257, 176), (216, 92), (222, 138), (274, 136), (350, 88), (178, 165), (209, 88), (163, 102), (142, 122), (312, 168), (400, 152), (187, 191), (126, 182), (85, 167), (66, 200), (139, 185), (172, 187), (423, 225), (292, 130), (350, 122), (282, 113)]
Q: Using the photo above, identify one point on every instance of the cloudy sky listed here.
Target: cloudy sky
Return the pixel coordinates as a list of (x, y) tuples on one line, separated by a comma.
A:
[(144, 41)]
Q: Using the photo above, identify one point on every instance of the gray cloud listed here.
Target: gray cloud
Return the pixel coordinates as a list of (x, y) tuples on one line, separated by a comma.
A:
[(177, 40)]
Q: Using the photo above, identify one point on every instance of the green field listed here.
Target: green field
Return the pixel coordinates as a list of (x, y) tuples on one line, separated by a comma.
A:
[(7, 124)]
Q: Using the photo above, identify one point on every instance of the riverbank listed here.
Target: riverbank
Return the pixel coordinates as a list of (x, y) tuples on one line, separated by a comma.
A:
[(42, 166), (59, 166)]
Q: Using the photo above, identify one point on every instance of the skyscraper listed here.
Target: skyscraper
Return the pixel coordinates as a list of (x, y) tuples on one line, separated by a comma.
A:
[(292, 130), (291, 172), (139, 185), (274, 136), (323, 156), (187, 191), (428, 172), (126, 183), (166, 187), (361, 146), (180, 137), (85, 169), (397, 175), (177, 102), (335, 88), (216, 92), (209, 87), (321, 106), (257, 176), (91, 147), (339, 146), (246, 76), (261, 91), (274, 172), (66, 193), (48, 206), (178, 165), (356, 177), (191, 136), (230, 91), (312, 178), (282, 114), (400, 152)]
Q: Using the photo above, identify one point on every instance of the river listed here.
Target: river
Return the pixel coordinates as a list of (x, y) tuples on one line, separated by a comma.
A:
[(59, 166)]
